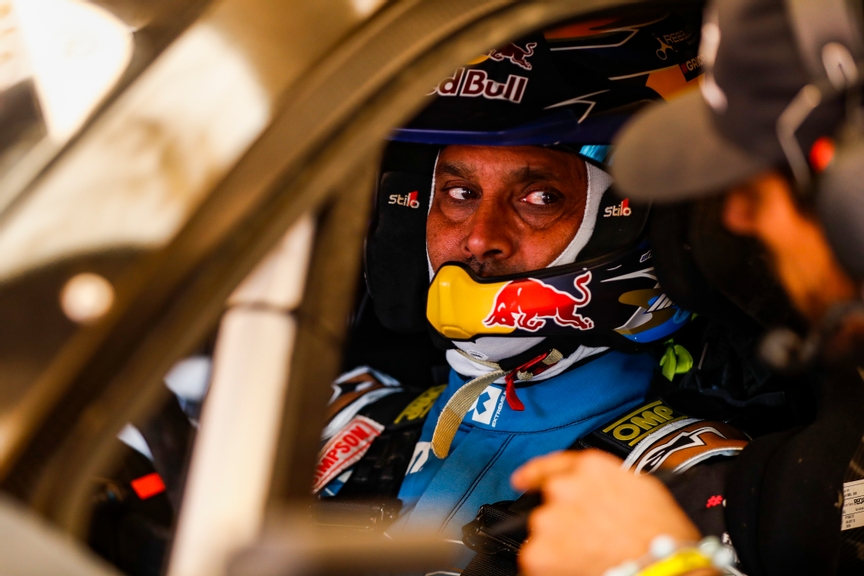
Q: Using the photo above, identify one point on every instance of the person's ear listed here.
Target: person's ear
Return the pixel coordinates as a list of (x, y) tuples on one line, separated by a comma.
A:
[(741, 208)]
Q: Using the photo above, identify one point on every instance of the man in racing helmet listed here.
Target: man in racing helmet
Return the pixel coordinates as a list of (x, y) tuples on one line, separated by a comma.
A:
[(760, 179), (542, 286)]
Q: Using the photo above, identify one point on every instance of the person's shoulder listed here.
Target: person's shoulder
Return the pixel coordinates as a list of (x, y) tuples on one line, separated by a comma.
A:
[(692, 456), (372, 424), (352, 392), (656, 437), (375, 395)]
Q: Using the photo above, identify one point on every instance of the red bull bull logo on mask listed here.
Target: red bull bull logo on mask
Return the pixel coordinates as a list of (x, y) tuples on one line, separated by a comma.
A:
[(527, 304)]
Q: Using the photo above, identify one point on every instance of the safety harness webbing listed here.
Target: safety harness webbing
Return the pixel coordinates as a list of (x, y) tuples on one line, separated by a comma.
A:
[(462, 400)]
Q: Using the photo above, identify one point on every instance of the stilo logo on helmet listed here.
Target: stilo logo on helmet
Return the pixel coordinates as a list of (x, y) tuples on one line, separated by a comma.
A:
[(409, 200), (623, 209)]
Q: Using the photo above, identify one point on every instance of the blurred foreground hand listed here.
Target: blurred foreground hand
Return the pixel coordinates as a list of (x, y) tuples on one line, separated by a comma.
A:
[(594, 514)]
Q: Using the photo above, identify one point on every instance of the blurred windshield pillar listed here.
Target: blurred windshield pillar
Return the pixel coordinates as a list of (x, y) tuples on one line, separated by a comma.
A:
[(229, 476), (77, 52)]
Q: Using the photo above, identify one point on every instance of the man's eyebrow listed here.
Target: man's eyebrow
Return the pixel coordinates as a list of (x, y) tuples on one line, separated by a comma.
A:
[(462, 170), (528, 173), (457, 169)]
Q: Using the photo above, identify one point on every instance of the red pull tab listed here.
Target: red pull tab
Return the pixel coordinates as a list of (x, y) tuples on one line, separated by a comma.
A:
[(510, 394), (535, 367)]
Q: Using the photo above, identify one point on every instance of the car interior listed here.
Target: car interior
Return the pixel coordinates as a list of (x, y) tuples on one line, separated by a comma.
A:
[(207, 210)]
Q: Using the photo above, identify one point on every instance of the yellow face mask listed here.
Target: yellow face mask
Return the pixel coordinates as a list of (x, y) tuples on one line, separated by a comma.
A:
[(460, 307), (616, 301)]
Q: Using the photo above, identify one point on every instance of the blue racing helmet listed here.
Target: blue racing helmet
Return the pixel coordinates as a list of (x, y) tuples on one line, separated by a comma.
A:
[(571, 89)]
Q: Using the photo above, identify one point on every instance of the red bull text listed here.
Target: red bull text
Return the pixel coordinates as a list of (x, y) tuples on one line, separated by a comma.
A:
[(476, 83)]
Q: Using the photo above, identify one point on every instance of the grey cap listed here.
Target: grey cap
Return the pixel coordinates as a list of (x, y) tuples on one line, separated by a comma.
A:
[(709, 139)]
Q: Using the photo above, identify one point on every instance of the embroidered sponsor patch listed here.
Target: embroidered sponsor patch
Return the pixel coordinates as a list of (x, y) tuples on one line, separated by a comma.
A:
[(344, 449), (628, 430), (685, 444), (484, 407), (420, 406)]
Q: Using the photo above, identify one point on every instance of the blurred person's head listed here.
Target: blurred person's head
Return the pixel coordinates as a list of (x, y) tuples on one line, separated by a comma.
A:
[(764, 207), (760, 132)]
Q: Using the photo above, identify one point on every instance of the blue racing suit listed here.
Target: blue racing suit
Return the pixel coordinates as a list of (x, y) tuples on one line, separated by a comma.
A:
[(494, 440)]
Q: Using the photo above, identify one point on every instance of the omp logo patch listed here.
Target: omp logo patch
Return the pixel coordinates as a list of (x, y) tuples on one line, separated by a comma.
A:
[(344, 449), (484, 407), (636, 425)]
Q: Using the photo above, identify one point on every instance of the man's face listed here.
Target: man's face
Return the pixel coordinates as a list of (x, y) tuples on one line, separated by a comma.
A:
[(504, 210), (764, 208)]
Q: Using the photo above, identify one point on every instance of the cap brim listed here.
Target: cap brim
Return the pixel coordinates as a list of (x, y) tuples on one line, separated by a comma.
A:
[(673, 152)]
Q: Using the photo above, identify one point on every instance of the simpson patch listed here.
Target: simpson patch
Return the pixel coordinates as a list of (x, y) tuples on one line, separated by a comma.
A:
[(345, 448)]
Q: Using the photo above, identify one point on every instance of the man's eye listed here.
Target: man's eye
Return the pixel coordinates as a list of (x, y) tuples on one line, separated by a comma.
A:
[(541, 198), (460, 193)]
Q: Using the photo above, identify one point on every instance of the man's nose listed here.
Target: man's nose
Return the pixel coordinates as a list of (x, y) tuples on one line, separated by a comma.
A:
[(490, 237)]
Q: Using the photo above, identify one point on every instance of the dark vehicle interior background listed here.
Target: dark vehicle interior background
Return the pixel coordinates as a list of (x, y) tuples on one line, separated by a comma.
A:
[(237, 147)]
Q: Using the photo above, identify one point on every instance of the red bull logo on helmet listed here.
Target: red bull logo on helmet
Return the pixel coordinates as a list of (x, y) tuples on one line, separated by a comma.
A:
[(527, 304), (477, 83), (516, 55)]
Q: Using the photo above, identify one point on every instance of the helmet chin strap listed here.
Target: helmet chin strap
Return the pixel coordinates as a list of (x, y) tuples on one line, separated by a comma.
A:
[(495, 349), (598, 183)]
